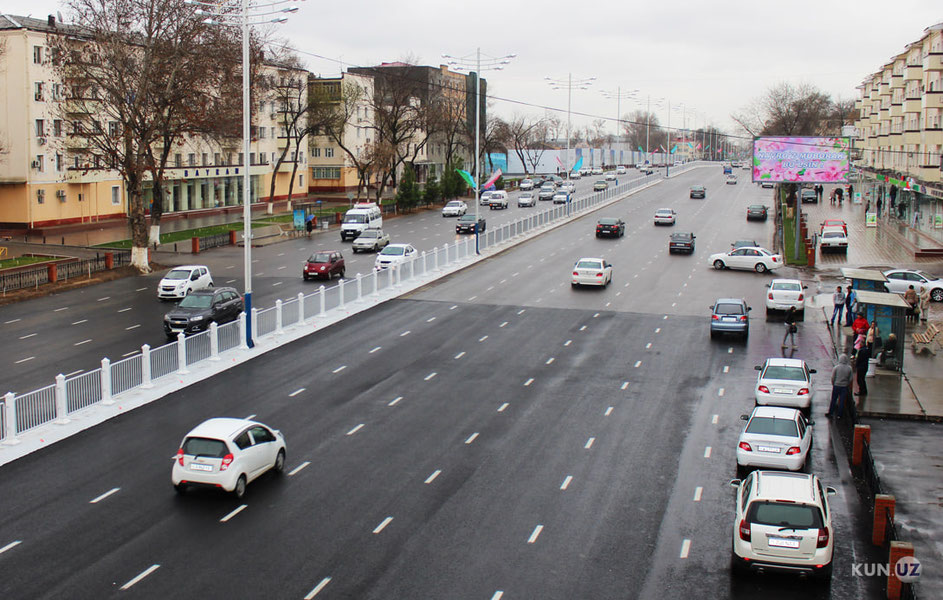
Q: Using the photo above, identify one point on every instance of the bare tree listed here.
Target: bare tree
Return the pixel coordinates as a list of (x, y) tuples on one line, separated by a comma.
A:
[(289, 91), (520, 134), (786, 109), (638, 128), (539, 143), (3, 48)]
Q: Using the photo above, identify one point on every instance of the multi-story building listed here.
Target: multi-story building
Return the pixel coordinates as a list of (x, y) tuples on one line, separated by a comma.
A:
[(333, 169), (900, 132), (49, 176)]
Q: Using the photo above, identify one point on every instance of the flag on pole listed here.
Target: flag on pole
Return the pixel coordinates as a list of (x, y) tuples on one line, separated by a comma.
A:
[(578, 165), (468, 178), (559, 162), (673, 149), (492, 179), (690, 145), (698, 146), (640, 149)]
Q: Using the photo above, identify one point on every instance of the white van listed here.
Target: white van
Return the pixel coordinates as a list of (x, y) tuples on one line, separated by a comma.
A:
[(364, 215)]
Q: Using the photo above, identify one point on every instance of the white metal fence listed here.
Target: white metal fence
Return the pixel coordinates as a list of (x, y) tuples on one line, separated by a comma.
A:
[(23, 412)]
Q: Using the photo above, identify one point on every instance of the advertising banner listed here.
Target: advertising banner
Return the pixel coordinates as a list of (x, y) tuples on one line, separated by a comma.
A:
[(938, 221), (800, 159), (871, 219), (298, 218)]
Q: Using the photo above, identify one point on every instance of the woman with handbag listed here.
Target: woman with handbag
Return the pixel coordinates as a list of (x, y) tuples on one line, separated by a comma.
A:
[(791, 327)]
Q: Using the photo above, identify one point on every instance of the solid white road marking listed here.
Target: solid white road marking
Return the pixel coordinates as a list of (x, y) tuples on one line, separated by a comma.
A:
[(430, 376), (339, 369), (503, 407), (10, 546), (726, 369), (82, 342), (143, 574), (75, 373), (318, 588), (395, 401), (355, 429), (127, 354), (459, 355), (505, 324), (707, 452), (533, 536), (549, 360), (685, 548), (125, 309), (296, 392), (529, 381), (105, 298), (608, 411), (432, 477), (483, 338), (566, 482), (404, 334), (23, 360), (375, 350), (714, 419), (233, 513), (61, 309), (299, 468), (720, 392), (132, 327), (103, 496), (697, 493), (472, 438), (589, 443), (638, 364), (382, 525), (29, 335)]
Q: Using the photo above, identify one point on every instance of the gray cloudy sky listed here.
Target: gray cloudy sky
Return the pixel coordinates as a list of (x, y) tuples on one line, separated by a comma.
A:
[(715, 57)]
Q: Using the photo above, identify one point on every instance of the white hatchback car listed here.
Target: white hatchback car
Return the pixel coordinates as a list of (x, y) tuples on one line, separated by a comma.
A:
[(774, 438), (180, 281), (394, 255), (785, 382), (526, 184), (227, 454), (591, 271), (786, 293), (526, 199), (753, 258), (665, 216), (454, 208), (834, 238), (783, 524), (484, 198)]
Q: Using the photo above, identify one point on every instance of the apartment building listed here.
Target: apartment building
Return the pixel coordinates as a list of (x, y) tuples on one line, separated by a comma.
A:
[(49, 176), (900, 132), (333, 163)]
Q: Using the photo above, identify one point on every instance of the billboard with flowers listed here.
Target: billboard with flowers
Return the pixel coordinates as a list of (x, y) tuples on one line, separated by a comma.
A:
[(800, 159)]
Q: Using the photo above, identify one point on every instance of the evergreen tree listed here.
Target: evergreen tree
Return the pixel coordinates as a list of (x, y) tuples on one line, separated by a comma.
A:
[(407, 195), (432, 192)]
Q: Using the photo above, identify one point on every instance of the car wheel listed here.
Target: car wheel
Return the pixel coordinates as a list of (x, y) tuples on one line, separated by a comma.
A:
[(279, 466), (376, 247), (741, 471), (760, 268), (936, 295), (736, 568), (181, 488), (342, 273), (824, 576), (713, 335), (240, 490), (718, 264), (573, 284), (800, 315), (304, 276), (769, 313)]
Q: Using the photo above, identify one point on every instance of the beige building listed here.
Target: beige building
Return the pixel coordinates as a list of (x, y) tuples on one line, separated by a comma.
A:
[(900, 132), (332, 168), (48, 177)]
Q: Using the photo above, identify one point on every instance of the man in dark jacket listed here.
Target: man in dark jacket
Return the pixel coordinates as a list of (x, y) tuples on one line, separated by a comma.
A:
[(861, 370), (841, 381), (850, 299)]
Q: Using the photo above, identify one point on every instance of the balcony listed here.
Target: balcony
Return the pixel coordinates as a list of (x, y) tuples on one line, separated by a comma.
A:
[(913, 72), (933, 100), (76, 141), (933, 62)]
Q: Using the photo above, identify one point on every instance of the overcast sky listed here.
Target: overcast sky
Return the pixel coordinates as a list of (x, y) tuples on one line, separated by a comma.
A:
[(712, 57)]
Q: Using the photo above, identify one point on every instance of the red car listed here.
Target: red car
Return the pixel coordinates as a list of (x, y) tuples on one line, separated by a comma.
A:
[(323, 265), (834, 223)]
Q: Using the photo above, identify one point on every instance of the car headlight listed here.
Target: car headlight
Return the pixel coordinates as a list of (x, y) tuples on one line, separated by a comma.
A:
[(196, 318), (166, 318)]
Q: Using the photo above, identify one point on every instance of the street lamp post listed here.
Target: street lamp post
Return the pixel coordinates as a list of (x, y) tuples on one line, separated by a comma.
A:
[(618, 96), (464, 63), (250, 13), (569, 84)]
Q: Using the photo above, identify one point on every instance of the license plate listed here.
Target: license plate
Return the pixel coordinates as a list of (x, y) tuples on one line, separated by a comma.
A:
[(783, 543), (781, 391), (200, 467), (728, 319), (767, 449)]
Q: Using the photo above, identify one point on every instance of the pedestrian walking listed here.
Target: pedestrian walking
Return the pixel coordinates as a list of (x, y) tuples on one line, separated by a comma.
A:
[(791, 327), (924, 302), (861, 370), (850, 301), (851, 192), (867, 208), (309, 226), (841, 381), (840, 194), (910, 297), (838, 303), (880, 205), (832, 198)]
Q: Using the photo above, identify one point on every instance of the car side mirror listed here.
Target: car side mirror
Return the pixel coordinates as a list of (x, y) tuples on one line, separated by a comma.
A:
[(830, 491), (805, 287), (758, 368), (768, 284), (812, 371), (810, 422), (735, 483), (749, 308), (744, 417), (194, 277)]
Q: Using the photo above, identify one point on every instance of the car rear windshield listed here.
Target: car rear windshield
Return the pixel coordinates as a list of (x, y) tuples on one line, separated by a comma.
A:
[(454, 203), (784, 514), (607, 221), (792, 287), (697, 188), (178, 274), (196, 301), (728, 309), (393, 250), (787, 373), (320, 257), (833, 234), (757, 207), (369, 234), (681, 237), (349, 218), (200, 446), (589, 264), (773, 426)]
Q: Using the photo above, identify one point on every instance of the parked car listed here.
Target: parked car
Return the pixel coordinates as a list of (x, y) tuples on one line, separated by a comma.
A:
[(758, 259), (371, 239), (782, 523), (731, 179), (484, 198), (698, 191), (180, 281), (499, 199), (526, 199), (324, 264), (730, 315), (808, 195), (611, 227), (785, 382), (468, 224), (774, 437), (455, 208), (681, 241), (395, 254), (200, 308), (665, 216), (834, 223), (561, 198), (591, 271), (526, 184), (576, 175), (757, 212), (784, 294), (597, 170), (600, 185), (898, 280), (833, 239), (228, 454)]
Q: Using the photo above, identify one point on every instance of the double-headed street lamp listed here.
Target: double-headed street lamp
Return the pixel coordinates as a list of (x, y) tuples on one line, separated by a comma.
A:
[(466, 63), (249, 13), (569, 84), (618, 96)]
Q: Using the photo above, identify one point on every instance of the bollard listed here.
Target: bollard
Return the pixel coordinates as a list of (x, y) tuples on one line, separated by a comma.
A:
[(375, 275), (243, 343), (106, 382), (389, 276), (898, 551), (435, 258), (62, 401), (214, 341), (109, 260), (278, 317), (232, 240), (254, 315), (195, 245), (182, 354), (301, 308), (445, 249), (425, 263), (52, 275), (340, 293), (9, 419), (322, 312), (412, 268), (862, 434), (883, 503), (146, 367), (359, 287)]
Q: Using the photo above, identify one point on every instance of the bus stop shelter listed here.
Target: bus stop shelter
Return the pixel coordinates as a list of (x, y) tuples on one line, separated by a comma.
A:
[(889, 311), (865, 279)]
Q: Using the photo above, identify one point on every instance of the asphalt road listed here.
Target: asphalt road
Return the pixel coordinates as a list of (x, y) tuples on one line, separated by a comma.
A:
[(522, 441)]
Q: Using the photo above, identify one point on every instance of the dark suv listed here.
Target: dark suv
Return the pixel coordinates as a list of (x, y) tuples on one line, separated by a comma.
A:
[(200, 308)]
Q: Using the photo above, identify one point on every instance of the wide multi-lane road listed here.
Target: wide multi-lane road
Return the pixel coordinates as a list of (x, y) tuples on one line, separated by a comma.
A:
[(495, 435)]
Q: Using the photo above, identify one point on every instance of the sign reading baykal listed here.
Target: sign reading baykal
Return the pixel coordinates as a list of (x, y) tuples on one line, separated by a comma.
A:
[(801, 159)]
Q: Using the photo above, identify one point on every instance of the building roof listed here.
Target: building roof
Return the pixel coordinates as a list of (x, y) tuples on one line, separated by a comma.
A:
[(49, 24)]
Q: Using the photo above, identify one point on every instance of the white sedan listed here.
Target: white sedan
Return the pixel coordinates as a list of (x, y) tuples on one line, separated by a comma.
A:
[(754, 258), (394, 255), (785, 293), (898, 280), (665, 216), (485, 198), (455, 208), (834, 238), (774, 438), (526, 199), (526, 184), (784, 382), (591, 271)]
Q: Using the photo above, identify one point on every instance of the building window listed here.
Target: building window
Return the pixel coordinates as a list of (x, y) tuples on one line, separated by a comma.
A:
[(316, 153), (252, 158), (40, 196), (272, 132), (115, 195), (261, 133), (301, 181), (216, 158), (58, 162), (38, 91), (37, 55), (178, 160), (40, 162), (113, 128), (191, 159), (325, 173), (57, 128), (241, 155), (329, 153), (40, 128), (205, 157)]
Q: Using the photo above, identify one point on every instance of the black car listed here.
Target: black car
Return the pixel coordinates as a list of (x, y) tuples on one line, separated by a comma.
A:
[(683, 241), (200, 308), (468, 224), (756, 212), (698, 191), (611, 227), (745, 244)]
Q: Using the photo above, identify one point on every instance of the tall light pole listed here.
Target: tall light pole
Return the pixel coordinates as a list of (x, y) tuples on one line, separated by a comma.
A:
[(569, 84), (464, 63), (618, 95), (250, 13)]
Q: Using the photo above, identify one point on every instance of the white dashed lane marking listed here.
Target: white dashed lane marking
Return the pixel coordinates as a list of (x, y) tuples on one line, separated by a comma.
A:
[(697, 493), (10, 546), (430, 376), (503, 407), (608, 411), (533, 537), (382, 525), (459, 355), (143, 574), (714, 419), (472, 438), (685, 548), (529, 381), (297, 469), (432, 477), (103, 496), (296, 392), (375, 350), (355, 429), (27, 336), (707, 452), (233, 513), (317, 589), (566, 482), (339, 369), (589, 443)]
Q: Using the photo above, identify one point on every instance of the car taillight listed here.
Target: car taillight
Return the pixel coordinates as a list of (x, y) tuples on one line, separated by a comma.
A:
[(804, 392), (822, 540), (598, 274), (793, 450), (715, 317), (775, 259), (575, 273), (745, 530), (743, 317), (800, 297), (745, 446), (770, 296), (180, 457), (227, 460), (764, 389)]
